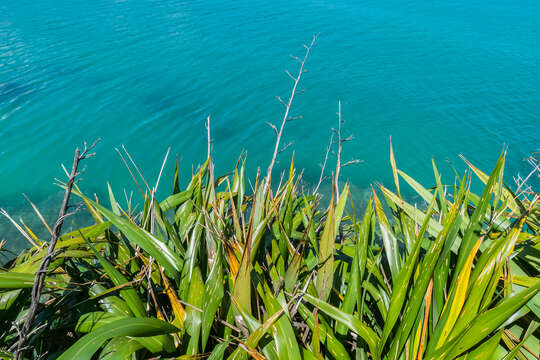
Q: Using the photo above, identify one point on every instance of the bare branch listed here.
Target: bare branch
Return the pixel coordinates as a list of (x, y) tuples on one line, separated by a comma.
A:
[(351, 162), (39, 279), (85, 153), (287, 109), (292, 118), (296, 58), (289, 144), (209, 141), (272, 126), (347, 138), (339, 143), (323, 166), (281, 101), (288, 73)]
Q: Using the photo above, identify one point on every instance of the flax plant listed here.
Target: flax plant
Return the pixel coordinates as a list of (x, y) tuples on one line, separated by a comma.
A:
[(222, 270), (268, 273)]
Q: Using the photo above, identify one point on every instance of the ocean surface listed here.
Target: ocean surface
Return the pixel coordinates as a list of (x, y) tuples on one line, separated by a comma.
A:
[(442, 78)]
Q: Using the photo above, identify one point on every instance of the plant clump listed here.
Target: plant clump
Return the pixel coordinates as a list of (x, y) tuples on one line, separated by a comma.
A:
[(222, 270)]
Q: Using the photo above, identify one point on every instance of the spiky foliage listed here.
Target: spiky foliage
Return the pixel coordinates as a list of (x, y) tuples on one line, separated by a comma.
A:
[(223, 270)]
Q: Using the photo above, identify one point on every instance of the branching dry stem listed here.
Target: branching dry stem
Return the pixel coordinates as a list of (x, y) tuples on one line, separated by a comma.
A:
[(287, 106), (25, 331), (340, 142)]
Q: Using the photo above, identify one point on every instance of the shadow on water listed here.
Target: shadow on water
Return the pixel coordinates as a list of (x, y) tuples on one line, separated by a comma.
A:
[(13, 91)]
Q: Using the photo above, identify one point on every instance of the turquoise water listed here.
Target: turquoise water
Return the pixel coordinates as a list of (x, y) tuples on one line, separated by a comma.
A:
[(440, 77)]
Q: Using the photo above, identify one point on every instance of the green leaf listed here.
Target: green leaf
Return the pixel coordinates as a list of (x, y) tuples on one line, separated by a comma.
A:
[(114, 205), (486, 268), (480, 212), (351, 294), (419, 290), (86, 346), (533, 326), (194, 316), (486, 351), (127, 293), (355, 325), (416, 214), (213, 294), (390, 242), (94, 320), (484, 324), (325, 274), (284, 337), (16, 280), (326, 336), (155, 247), (120, 348), (175, 200), (109, 303), (401, 284), (256, 336), (218, 353)]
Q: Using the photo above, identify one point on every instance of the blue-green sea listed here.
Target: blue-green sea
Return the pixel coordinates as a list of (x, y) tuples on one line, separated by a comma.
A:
[(442, 78)]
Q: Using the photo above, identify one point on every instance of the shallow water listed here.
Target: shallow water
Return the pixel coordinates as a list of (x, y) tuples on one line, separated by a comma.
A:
[(442, 78)]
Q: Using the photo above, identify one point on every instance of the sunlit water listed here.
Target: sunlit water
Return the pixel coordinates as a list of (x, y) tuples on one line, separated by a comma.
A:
[(440, 77)]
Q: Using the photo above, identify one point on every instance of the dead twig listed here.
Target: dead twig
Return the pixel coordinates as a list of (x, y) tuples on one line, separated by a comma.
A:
[(323, 165), (287, 106), (25, 330), (209, 140), (340, 142)]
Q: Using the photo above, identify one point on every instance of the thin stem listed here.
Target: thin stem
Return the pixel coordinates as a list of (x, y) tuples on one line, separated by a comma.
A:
[(209, 141), (39, 279), (287, 110), (323, 166), (338, 162)]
